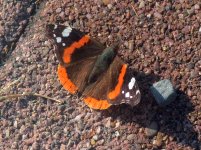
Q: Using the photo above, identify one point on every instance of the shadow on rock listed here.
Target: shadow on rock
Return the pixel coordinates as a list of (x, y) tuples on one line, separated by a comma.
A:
[(172, 120)]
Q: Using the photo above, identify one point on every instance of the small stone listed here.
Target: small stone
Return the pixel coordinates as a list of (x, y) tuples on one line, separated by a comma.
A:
[(117, 134), (165, 138), (100, 142), (95, 137), (56, 135), (7, 133), (18, 137), (131, 137), (118, 123), (136, 146), (126, 44), (17, 58), (58, 10), (142, 4), (70, 17), (110, 124), (194, 74), (200, 30), (190, 11), (152, 129), (189, 92), (77, 118), (88, 16), (14, 145), (109, 6), (15, 124), (93, 142), (22, 129), (24, 136), (181, 16), (131, 45), (163, 92), (98, 130), (157, 15), (157, 143), (140, 130), (156, 66), (23, 22), (106, 2), (164, 48), (35, 146), (190, 65), (159, 139), (197, 6), (29, 10), (61, 108), (143, 146), (149, 16), (168, 8), (62, 147)]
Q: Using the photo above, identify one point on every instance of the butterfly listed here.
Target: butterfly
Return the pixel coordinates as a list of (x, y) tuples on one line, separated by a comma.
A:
[(88, 67)]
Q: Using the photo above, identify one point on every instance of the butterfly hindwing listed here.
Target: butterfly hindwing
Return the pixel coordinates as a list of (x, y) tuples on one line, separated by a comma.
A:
[(129, 92), (115, 86), (74, 77)]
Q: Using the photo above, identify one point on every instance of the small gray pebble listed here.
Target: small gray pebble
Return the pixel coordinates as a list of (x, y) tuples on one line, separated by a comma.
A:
[(58, 10), (142, 4), (152, 129), (109, 6), (163, 92), (131, 137)]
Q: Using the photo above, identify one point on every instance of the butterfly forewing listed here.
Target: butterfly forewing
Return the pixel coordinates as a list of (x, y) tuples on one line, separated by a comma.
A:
[(73, 45)]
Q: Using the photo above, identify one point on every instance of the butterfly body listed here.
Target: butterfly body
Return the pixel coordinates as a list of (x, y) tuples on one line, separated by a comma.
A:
[(88, 67), (102, 63)]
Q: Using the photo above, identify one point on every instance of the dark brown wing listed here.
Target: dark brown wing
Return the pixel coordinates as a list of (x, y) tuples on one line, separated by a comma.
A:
[(113, 87), (72, 45), (74, 77)]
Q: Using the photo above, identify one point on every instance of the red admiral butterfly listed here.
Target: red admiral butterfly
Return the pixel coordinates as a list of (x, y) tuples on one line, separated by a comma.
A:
[(88, 67)]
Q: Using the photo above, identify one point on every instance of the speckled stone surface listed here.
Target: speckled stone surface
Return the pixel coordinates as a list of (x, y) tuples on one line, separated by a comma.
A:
[(161, 40)]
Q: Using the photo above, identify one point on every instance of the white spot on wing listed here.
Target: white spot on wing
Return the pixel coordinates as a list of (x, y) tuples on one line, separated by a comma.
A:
[(122, 92), (137, 92), (63, 44), (131, 84), (58, 39), (66, 32), (127, 94), (54, 35), (131, 96)]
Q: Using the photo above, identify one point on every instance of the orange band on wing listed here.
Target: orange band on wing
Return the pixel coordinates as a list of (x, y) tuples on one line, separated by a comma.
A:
[(65, 81), (69, 50), (96, 104), (113, 94)]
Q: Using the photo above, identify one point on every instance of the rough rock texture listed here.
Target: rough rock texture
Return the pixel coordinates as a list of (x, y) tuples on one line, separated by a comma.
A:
[(14, 18), (161, 39), (163, 92)]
